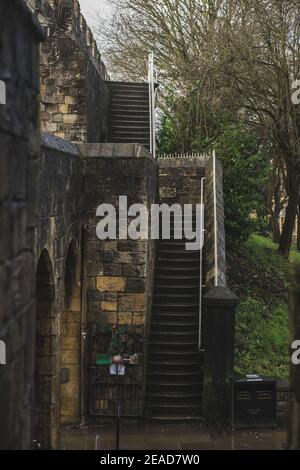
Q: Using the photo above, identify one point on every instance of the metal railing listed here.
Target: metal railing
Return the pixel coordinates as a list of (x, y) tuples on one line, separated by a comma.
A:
[(106, 388), (202, 235), (215, 221), (152, 78)]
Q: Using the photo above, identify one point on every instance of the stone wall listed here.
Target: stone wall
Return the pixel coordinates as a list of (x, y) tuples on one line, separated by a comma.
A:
[(282, 401), (61, 219), (180, 182), (60, 197), (119, 273), (180, 179), (19, 153), (75, 99)]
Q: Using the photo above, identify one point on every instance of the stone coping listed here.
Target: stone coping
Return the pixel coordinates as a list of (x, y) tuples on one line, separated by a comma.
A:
[(58, 144), (109, 150), (106, 150)]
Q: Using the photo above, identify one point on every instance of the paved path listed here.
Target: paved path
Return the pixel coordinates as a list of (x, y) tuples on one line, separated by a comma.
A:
[(180, 437)]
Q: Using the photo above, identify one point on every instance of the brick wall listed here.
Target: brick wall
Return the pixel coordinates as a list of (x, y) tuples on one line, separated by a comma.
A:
[(19, 152)]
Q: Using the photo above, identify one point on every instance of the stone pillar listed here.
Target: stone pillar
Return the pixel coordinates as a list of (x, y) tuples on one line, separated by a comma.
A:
[(20, 36), (294, 398), (219, 324)]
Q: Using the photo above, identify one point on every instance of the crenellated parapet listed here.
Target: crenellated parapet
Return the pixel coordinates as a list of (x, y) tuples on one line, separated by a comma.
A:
[(74, 97), (66, 16)]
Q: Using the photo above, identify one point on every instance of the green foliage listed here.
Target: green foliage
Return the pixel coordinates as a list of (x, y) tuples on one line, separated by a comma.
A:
[(263, 255), (263, 247), (262, 316), (123, 340), (190, 125), (119, 341), (262, 339), (245, 172)]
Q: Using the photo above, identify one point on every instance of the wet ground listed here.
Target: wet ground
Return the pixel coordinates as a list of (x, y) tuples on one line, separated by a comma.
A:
[(176, 437)]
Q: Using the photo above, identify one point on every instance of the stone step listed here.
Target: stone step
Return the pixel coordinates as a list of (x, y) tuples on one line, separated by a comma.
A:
[(123, 100), (183, 356), (171, 347), (130, 127), (167, 365), (190, 336), (122, 84), (130, 134), (175, 409), (166, 419), (176, 262), (174, 326), (130, 115)]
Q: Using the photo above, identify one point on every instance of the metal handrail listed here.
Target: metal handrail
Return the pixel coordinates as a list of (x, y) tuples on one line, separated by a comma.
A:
[(201, 263), (152, 95)]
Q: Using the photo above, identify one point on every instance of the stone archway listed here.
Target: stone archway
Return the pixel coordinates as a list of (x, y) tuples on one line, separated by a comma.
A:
[(70, 342), (45, 355)]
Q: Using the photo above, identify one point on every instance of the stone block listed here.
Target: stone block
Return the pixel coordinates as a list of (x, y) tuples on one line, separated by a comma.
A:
[(114, 270), (70, 118), (107, 318), (131, 302), (109, 306), (69, 343), (70, 390), (63, 108), (69, 407), (69, 357), (111, 284), (135, 285)]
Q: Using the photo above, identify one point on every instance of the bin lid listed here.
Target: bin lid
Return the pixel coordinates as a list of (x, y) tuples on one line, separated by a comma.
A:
[(254, 378)]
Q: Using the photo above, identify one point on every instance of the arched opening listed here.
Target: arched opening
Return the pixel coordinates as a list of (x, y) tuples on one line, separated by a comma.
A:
[(45, 352), (70, 342)]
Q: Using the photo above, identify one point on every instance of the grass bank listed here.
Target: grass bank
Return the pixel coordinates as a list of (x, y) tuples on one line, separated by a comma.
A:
[(260, 277)]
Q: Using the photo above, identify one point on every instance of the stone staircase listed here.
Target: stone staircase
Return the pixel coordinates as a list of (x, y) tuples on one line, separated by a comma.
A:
[(130, 115), (174, 369)]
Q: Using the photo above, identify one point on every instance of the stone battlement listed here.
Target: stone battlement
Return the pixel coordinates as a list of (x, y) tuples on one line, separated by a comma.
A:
[(74, 96), (66, 16)]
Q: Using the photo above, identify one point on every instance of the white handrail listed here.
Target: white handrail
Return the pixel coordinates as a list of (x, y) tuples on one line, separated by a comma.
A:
[(202, 222), (215, 220), (151, 73)]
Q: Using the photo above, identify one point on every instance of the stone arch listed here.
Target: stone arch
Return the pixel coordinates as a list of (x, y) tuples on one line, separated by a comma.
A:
[(45, 354), (70, 340)]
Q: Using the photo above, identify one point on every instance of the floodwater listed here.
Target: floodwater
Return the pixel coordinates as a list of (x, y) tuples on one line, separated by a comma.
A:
[(179, 437)]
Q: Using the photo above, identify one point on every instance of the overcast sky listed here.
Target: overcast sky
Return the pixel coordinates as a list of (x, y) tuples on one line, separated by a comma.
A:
[(88, 8)]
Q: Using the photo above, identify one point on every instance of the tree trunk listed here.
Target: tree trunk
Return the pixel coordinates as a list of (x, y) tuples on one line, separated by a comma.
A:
[(294, 401), (288, 228), (298, 229), (275, 228), (273, 203)]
